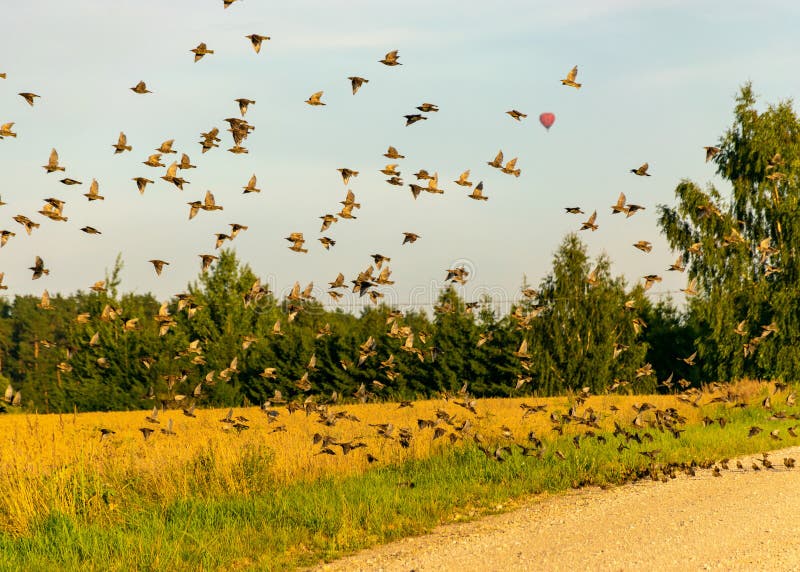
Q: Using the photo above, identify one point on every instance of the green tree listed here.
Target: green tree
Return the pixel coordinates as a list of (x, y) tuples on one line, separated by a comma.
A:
[(741, 247), (582, 321)]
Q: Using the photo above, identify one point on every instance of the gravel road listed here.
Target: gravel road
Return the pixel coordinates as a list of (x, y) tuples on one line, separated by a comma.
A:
[(743, 520)]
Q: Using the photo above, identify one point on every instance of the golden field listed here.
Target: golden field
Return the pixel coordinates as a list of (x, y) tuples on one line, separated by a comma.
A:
[(62, 463)]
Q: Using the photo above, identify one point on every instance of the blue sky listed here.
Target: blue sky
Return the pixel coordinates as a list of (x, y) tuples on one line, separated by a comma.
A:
[(659, 78)]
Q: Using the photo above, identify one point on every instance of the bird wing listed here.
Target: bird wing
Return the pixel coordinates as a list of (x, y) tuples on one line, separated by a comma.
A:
[(573, 73)]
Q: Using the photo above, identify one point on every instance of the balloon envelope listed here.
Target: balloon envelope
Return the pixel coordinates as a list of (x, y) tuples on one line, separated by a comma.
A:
[(547, 119)]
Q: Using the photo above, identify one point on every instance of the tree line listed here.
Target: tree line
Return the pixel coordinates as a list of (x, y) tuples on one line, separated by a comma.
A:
[(228, 341)]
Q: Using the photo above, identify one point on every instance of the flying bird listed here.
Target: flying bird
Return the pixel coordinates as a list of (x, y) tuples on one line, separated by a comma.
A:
[(52, 163), (206, 259), (641, 171), (94, 192), (200, 51), (141, 183), (570, 79), (327, 221), (497, 162), (509, 168), (158, 265), (256, 40), (243, 104), (477, 193), (38, 268), (5, 235), (121, 144), (185, 162), (463, 179), (590, 223), (5, 130), (711, 152), (347, 173), (518, 115), (411, 119), (390, 59), (140, 87), (356, 82), (315, 98), (297, 240), (620, 206), (392, 153), (166, 147), (410, 237), (677, 265), (29, 97), (428, 108), (26, 222), (251, 186)]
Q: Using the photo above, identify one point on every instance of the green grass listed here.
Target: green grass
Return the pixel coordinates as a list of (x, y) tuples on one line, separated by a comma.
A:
[(287, 526)]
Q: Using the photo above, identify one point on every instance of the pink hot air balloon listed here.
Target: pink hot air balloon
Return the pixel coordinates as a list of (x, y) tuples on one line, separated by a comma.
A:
[(547, 119)]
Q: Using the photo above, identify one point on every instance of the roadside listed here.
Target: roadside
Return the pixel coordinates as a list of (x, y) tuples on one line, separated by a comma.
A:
[(743, 520)]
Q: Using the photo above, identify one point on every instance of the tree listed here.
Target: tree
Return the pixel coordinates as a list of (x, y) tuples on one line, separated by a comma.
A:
[(741, 247), (583, 320)]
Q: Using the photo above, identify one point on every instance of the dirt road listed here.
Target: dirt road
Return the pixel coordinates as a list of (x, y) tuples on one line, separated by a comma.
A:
[(743, 520)]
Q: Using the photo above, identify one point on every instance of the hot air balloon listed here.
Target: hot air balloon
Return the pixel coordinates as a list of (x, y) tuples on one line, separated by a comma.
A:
[(547, 119)]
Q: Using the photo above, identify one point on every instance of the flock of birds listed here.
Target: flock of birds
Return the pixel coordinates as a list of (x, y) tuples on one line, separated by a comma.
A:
[(581, 422), (446, 424)]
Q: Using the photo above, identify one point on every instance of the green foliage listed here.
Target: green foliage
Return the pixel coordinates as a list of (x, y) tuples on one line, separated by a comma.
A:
[(742, 249), (581, 324), (102, 350)]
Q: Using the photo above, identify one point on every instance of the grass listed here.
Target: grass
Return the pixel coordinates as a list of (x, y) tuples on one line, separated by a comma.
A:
[(264, 501)]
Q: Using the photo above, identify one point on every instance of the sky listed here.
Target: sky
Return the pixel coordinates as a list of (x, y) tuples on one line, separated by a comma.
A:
[(659, 81)]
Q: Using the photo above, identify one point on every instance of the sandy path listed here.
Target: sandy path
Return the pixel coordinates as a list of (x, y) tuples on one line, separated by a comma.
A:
[(744, 520)]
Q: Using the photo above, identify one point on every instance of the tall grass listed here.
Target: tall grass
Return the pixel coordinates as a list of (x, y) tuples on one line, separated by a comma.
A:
[(207, 499)]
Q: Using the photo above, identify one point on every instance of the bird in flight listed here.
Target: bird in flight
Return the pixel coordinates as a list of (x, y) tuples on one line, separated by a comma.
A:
[(158, 265), (140, 87), (297, 240), (590, 223), (497, 162), (315, 98), (477, 193), (570, 79), (251, 186), (392, 153), (518, 115), (52, 163), (122, 144), (38, 268), (356, 82), (641, 171), (94, 192), (200, 51), (256, 40), (141, 183), (390, 59), (463, 179), (410, 237), (347, 173), (711, 152), (5, 130), (29, 97)]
